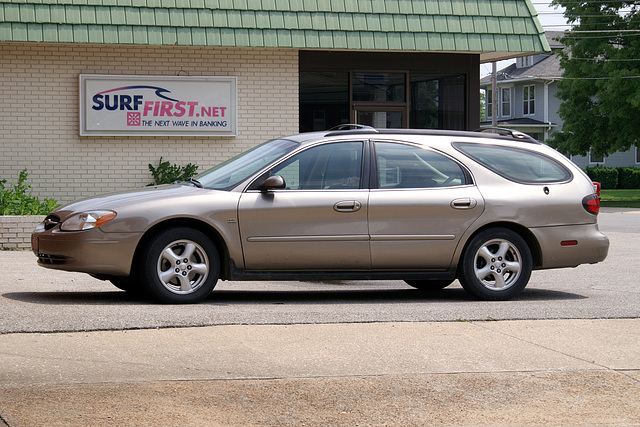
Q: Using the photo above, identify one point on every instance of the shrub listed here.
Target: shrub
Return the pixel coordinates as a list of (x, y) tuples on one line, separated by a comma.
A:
[(608, 177), (17, 199), (628, 178), (166, 173)]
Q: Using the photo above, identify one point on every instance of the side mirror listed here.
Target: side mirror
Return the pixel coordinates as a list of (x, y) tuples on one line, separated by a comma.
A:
[(273, 183)]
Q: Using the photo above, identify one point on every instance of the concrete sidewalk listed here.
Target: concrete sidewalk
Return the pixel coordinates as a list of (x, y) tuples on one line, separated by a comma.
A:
[(577, 372)]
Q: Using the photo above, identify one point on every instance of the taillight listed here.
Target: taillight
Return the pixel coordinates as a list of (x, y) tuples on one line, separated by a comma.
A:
[(598, 187), (592, 202)]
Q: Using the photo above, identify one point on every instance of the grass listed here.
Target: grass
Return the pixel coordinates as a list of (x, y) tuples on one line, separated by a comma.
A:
[(620, 198)]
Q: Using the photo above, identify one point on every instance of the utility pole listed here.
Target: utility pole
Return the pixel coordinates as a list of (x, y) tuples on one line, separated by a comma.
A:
[(494, 97)]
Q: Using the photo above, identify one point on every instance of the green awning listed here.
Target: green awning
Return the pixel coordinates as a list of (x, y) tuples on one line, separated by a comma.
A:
[(496, 29)]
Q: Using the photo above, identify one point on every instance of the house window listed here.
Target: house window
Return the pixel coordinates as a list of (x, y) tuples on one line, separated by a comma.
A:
[(506, 101), (596, 159), (489, 103), (637, 155), (525, 61), (529, 100)]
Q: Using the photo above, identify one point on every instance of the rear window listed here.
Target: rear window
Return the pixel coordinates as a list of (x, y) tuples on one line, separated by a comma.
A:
[(516, 164)]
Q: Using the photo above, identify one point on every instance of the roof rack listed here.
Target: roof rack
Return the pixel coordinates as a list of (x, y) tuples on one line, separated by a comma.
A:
[(350, 126), (508, 132)]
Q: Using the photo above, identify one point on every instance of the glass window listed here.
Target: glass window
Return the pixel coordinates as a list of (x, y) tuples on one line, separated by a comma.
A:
[(324, 100), (489, 103), (516, 164), (380, 119), (407, 166), (328, 166), (506, 101), (637, 155), (529, 100), (437, 102), (227, 175), (595, 159), (379, 87)]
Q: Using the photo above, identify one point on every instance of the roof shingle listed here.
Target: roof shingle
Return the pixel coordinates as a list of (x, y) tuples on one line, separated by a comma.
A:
[(507, 27)]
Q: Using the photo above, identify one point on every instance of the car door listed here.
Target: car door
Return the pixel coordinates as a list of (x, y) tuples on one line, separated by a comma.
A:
[(318, 221), (423, 203)]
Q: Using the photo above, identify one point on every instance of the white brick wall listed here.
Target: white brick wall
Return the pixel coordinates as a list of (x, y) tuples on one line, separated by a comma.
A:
[(15, 231), (39, 112)]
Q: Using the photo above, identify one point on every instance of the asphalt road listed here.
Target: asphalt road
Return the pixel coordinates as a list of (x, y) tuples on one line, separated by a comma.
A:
[(34, 299), (352, 353)]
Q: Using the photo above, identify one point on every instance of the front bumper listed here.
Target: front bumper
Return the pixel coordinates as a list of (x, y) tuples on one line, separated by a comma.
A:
[(591, 246), (89, 251)]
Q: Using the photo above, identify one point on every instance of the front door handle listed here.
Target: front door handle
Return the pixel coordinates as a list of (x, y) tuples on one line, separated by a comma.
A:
[(464, 203), (347, 206)]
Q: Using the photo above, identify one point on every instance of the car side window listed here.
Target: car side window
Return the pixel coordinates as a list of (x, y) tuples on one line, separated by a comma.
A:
[(408, 166), (516, 164), (331, 166)]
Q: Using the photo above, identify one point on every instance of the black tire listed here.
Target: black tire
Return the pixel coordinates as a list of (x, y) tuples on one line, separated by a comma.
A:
[(496, 265), (180, 266), (429, 285), (126, 284)]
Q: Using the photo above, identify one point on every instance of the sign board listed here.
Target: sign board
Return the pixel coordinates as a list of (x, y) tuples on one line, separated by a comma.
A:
[(158, 105)]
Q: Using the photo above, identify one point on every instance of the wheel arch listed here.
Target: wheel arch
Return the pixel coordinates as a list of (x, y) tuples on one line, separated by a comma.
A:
[(207, 229), (522, 231)]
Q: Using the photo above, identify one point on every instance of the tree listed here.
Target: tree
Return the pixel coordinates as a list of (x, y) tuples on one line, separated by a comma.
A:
[(600, 89)]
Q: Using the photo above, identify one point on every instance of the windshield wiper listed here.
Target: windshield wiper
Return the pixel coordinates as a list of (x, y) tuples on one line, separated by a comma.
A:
[(194, 182)]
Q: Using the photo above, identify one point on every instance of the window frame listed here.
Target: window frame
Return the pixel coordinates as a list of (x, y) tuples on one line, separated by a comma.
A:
[(500, 171), (364, 172), (507, 89), (527, 101), (467, 177), (595, 162)]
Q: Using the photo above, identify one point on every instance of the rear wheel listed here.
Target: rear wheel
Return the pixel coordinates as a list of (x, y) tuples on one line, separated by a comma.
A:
[(496, 265), (125, 283), (180, 265), (429, 285)]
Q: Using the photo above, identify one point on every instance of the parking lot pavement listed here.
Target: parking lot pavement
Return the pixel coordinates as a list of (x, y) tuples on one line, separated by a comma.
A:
[(561, 371), (498, 373)]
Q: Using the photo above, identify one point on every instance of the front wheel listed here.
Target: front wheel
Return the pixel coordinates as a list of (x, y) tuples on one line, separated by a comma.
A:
[(180, 265), (496, 265)]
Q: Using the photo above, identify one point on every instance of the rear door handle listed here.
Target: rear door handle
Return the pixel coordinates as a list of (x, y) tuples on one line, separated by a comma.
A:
[(347, 206), (464, 203)]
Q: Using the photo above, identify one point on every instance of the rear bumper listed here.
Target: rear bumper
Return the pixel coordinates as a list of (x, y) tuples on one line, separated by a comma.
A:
[(591, 245), (90, 251)]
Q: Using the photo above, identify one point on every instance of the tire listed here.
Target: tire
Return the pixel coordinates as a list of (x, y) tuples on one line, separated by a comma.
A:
[(126, 284), (429, 285), (180, 266), (496, 265)]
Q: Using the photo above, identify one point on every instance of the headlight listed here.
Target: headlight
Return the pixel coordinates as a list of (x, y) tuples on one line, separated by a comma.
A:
[(87, 220)]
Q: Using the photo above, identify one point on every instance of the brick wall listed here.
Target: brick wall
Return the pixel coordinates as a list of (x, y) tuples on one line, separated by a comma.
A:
[(15, 231), (39, 112)]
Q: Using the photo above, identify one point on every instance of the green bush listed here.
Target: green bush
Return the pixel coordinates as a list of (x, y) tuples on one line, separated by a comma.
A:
[(17, 199), (166, 173), (608, 177), (628, 178)]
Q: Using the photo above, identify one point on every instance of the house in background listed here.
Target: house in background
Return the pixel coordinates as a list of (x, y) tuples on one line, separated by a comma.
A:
[(527, 102)]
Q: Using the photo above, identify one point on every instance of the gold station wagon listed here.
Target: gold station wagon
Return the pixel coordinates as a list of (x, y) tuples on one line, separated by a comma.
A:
[(426, 207)]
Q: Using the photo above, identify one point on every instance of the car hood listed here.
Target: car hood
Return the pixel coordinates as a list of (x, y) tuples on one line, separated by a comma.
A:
[(123, 199)]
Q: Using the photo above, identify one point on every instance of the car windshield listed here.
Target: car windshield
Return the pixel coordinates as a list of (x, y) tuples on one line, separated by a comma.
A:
[(227, 175)]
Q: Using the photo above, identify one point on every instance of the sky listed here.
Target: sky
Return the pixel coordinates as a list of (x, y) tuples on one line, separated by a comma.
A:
[(551, 19)]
